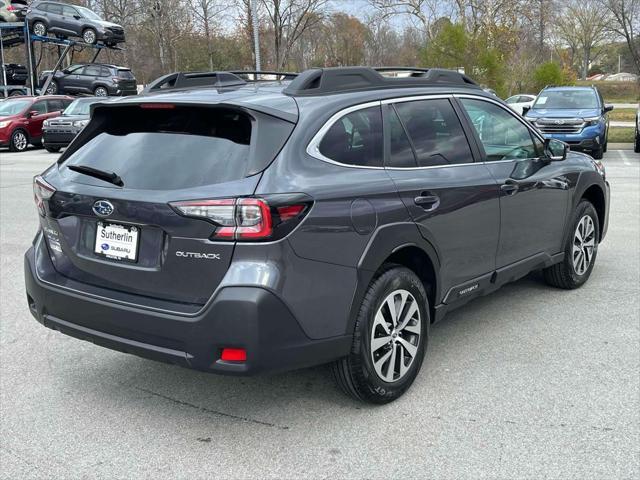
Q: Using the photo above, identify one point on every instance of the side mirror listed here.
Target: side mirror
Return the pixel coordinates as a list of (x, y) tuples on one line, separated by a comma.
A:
[(77, 17), (66, 71), (555, 150), (525, 109), (32, 113), (608, 108)]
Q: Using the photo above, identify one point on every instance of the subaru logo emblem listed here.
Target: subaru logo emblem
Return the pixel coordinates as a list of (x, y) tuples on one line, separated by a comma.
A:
[(559, 122), (103, 208)]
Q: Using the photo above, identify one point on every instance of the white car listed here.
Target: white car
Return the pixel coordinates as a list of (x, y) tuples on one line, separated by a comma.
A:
[(518, 102)]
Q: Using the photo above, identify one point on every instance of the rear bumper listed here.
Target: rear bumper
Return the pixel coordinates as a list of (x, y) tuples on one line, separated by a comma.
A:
[(237, 317)]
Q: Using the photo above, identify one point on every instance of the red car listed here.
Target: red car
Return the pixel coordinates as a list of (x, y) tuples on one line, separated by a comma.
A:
[(21, 119)]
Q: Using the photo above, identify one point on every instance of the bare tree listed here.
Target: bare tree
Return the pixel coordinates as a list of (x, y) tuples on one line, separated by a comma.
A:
[(289, 19), (584, 26), (206, 13), (626, 23)]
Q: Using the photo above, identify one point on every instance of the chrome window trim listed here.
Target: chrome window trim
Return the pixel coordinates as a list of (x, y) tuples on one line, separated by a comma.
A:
[(313, 148), (506, 109)]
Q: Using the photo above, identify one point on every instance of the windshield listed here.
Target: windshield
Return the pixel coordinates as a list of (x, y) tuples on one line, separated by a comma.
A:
[(80, 107), (568, 99), (12, 107), (86, 13)]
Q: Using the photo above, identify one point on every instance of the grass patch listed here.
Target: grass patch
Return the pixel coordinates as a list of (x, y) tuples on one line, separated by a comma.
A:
[(623, 115), (616, 92), (622, 135)]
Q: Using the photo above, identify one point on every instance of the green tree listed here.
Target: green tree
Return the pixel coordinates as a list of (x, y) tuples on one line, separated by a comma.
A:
[(550, 73)]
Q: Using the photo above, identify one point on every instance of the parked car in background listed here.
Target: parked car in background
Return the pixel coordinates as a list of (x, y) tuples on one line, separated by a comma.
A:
[(519, 102), (67, 20), (59, 131), (21, 119), (575, 115), (273, 226), (97, 79), (636, 147), (12, 91), (12, 10), (16, 74)]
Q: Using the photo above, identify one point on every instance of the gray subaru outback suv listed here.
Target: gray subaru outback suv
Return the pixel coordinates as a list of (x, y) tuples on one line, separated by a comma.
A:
[(240, 228)]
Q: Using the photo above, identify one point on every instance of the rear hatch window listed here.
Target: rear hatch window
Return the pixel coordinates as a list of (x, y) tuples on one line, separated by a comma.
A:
[(126, 74), (176, 148)]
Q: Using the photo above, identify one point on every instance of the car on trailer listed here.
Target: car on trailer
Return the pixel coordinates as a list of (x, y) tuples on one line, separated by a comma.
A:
[(99, 79), (67, 20), (12, 10), (58, 132), (241, 228), (21, 119)]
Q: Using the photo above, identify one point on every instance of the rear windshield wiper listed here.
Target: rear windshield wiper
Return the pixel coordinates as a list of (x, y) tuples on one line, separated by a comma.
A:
[(110, 177)]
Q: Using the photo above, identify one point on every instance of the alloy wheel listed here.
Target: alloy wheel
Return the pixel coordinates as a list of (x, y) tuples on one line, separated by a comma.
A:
[(584, 244), (395, 336), (89, 36), (20, 141), (101, 92), (39, 29)]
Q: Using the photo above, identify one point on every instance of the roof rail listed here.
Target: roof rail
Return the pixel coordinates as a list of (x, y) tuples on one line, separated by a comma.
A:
[(256, 73), (322, 81), (185, 80)]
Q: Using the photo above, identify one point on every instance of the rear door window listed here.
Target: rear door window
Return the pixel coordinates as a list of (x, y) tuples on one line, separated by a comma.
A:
[(435, 132), (40, 107), (54, 8), (92, 70), (355, 139), (181, 147)]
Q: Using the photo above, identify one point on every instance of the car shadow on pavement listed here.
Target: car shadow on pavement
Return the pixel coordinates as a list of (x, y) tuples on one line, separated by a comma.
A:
[(266, 399)]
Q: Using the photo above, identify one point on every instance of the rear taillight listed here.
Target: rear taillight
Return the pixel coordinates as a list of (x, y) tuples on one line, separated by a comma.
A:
[(11, 8), (42, 192), (115, 79), (245, 218)]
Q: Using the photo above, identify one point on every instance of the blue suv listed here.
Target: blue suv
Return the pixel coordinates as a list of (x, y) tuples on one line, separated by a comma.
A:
[(575, 115)]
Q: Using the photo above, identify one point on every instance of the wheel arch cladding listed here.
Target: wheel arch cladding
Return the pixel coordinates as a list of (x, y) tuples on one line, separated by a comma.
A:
[(595, 195), (401, 244)]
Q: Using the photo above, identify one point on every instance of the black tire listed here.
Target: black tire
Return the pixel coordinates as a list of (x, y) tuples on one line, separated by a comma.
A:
[(38, 25), (636, 146), (19, 141), (101, 92), (52, 149), (16, 93), (52, 89), (89, 35), (355, 374), (598, 153), (606, 145), (564, 274)]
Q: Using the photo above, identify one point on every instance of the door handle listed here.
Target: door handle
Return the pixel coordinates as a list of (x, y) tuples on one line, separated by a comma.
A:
[(427, 202), (509, 187)]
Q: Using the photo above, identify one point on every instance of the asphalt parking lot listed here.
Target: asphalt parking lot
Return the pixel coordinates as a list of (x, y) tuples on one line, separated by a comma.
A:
[(528, 382)]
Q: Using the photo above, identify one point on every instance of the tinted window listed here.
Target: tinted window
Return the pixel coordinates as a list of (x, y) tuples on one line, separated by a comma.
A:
[(126, 74), (55, 105), (435, 132), (105, 72), (92, 71), (40, 107), (514, 99), (169, 149), (355, 139), (400, 151), (503, 136)]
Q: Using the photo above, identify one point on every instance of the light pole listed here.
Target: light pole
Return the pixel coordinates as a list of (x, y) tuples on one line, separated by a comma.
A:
[(256, 33)]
